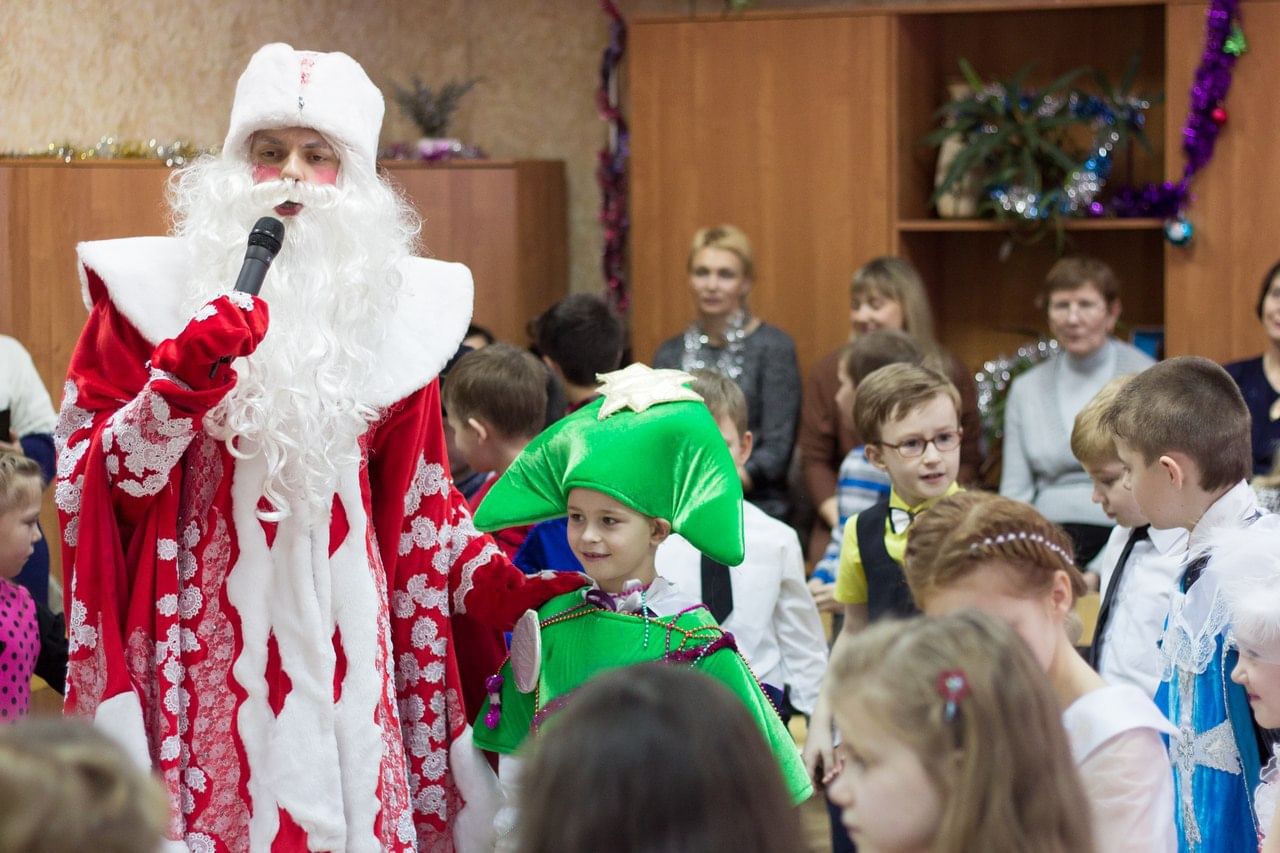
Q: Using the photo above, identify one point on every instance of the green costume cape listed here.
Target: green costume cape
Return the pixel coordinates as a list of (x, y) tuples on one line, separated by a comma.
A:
[(578, 647)]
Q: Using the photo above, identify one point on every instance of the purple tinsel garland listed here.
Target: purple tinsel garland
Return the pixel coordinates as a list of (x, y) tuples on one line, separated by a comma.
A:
[(611, 170), (1200, 132)]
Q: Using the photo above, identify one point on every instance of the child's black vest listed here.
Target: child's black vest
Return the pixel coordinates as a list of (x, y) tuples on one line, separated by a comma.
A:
[(887, 590)]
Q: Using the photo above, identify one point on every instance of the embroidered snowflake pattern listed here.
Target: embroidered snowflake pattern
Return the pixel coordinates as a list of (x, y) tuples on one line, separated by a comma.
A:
[(428, 479), (198, 842), (150, 439), (71, 419), (422, 534), (80, 635), (243, 301)]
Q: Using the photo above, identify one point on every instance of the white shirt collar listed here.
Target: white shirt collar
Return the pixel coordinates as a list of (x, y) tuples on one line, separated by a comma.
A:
[(1233, 509)]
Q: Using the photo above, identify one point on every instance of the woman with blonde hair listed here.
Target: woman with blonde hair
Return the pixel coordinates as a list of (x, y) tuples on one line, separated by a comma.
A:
[(760, 358), (952, 742), (885, 293), (978, 550)]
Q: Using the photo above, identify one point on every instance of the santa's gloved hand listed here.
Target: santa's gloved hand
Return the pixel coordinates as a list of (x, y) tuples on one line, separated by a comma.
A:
[(226, 327)]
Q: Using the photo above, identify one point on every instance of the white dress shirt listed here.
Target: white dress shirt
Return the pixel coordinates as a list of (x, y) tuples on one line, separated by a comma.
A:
[(774, 619), (1131, 638)]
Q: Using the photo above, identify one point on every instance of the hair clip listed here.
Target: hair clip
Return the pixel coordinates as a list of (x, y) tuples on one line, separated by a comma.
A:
[(952, 686)]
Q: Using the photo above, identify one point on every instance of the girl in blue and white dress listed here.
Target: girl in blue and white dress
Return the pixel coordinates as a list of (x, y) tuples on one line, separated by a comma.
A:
[(1247, 569)]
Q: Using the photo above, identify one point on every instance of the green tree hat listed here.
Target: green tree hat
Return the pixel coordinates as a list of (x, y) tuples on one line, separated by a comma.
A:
[(650, 443)]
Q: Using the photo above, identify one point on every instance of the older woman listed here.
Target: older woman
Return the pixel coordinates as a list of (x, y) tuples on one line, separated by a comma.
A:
[(760, 358), (886, 293), (1083, 299), (1259, 378)]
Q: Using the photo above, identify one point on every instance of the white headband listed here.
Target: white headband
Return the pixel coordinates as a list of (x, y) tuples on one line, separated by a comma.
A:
[(1022, 536)]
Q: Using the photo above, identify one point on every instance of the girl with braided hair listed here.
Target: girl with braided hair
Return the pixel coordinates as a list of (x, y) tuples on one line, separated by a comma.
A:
[(976, 550)]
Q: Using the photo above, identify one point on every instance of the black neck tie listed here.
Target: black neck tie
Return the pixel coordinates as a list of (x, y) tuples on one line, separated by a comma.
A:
[(1117, 575), (717, 591)]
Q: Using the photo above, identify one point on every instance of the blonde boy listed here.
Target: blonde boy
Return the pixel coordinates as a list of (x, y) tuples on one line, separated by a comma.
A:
[(1183, 436), (1139, 565), (909, 417), (763, 601)]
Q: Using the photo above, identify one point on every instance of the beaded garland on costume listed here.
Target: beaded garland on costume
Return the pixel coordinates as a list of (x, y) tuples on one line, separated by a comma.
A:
[(728, 360), (689, 650)]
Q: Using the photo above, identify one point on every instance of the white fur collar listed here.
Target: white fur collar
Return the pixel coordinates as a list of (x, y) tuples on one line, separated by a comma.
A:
[(142, 276)]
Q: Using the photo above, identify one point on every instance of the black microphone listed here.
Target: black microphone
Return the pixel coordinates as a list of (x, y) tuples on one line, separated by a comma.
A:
[(264, 243)]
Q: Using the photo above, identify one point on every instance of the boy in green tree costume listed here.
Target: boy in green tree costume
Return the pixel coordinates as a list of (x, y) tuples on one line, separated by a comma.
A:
[(643, 460)]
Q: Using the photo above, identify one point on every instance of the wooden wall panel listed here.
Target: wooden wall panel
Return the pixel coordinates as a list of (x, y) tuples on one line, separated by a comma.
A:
[(507, 222), (1212, 285), (778, 126)]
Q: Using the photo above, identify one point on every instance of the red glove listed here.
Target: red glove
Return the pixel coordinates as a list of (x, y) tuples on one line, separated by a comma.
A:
[(227, 327)]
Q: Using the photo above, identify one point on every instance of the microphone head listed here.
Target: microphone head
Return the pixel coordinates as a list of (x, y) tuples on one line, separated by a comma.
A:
[(268, 232)]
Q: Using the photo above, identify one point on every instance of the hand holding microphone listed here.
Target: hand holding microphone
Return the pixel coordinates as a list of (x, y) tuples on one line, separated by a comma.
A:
[(228, 326)]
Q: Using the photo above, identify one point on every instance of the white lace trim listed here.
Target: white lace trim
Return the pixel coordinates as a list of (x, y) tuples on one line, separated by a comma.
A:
[(150, 440), (467, 580), (1196, 619), (1266, 796)]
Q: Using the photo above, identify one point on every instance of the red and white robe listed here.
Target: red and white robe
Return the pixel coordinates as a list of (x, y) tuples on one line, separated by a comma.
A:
[(294, 685)]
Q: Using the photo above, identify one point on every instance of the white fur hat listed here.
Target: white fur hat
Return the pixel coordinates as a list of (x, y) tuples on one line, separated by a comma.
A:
[(327, 92)]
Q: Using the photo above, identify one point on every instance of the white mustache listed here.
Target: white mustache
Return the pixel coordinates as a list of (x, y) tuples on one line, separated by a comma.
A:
[(269, 194)]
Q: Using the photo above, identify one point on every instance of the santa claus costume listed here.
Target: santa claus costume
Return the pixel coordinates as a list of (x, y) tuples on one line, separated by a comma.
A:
[(263, 556)]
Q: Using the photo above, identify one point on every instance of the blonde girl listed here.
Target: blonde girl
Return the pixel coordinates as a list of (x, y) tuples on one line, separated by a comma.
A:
[(979, 550), (31, 638), (952, 742), (66, 786)]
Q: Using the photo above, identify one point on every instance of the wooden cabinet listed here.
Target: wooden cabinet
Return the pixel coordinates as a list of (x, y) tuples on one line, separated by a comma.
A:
[(804, 128)]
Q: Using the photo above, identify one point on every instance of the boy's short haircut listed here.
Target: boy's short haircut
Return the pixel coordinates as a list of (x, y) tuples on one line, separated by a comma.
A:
[(894, 390), (502, 385), (1091, 442), (723, 397), (874, 350), (582, 335), (1186, 405)]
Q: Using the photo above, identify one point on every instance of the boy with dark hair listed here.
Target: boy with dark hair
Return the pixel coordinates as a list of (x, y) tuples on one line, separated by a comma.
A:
[(579, 337), (1183, 436)]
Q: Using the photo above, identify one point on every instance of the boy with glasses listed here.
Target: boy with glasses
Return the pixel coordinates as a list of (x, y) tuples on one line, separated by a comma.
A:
[(909, 417)]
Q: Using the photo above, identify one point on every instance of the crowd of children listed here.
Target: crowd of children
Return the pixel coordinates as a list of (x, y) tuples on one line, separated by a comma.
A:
[(957, 712)]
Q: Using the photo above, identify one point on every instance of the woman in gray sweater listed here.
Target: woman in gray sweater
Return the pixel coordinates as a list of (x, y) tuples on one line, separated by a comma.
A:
[(1083, 300), (760, 358)]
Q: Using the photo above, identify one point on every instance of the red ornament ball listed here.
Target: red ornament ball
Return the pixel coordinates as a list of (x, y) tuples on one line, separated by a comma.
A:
[(1219, 116)]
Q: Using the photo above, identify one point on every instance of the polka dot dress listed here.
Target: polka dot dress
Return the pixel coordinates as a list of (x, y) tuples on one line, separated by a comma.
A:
[(19, 647)]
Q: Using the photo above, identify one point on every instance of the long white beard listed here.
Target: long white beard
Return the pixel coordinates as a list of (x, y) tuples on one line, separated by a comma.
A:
[(306, 395)]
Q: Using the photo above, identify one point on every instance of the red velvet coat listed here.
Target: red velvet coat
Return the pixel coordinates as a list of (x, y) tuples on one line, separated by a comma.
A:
[(293, 684)]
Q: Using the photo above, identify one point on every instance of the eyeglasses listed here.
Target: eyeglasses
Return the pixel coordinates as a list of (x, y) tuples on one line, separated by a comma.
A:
[(943, 442), (1088, 308)]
